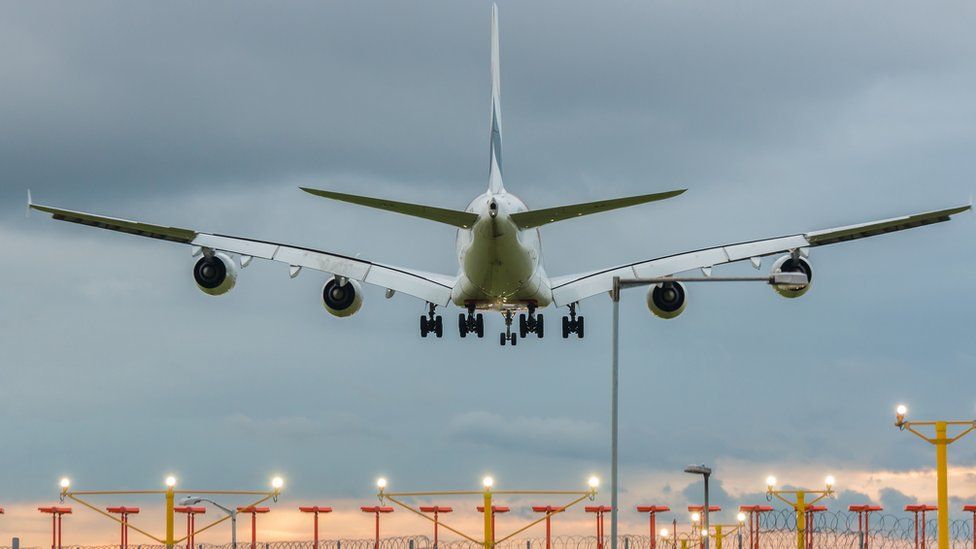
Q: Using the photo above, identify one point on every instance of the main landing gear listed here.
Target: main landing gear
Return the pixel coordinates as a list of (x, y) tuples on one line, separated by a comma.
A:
[(431, 323), (572, 324), (507, 335), (531, 324), (471, 323)]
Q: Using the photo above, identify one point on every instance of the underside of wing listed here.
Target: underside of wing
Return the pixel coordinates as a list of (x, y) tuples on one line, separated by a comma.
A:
[(435, 288), (572, 288)]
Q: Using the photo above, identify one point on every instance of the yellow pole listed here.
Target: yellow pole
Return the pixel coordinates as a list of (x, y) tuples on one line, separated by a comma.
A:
[(489, 541), (942, 472), (684, 544), (718, 536), (801, 519), (170, 496)]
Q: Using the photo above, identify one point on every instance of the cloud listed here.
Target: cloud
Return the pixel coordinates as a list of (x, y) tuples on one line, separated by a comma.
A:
[(552, 436)]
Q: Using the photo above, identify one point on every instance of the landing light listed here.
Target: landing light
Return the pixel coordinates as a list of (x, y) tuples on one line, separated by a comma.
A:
[(487, 482), (171, 481)]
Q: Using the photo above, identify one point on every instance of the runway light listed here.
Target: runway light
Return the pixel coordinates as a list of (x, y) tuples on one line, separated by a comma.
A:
[(664, 532), (829, 481), (65, 483), (487, 482), (277, 483), (594, 482), (900, 411), (741, 517), (770, 481), (381, 483), (695, 517), (704, 532), (171, 481)]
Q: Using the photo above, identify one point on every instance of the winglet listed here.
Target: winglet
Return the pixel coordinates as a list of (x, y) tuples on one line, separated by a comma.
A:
[(30, 203)]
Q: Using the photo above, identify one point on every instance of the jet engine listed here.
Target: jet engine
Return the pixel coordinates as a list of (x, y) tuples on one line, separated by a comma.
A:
[(215, 274), (666, 300), (342, 298), (787, 264)]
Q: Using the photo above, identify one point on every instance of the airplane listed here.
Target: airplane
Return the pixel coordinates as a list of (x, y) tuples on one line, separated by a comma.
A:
[(499, 253)]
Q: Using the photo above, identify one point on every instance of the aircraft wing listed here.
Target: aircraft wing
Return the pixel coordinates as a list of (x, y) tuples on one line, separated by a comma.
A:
[(573, 288), (431, 287)]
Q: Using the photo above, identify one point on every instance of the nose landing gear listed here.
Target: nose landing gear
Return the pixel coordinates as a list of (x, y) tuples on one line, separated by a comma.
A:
[(471, 323), (533, 323), (572, 324), (507, 335), (431, 323)]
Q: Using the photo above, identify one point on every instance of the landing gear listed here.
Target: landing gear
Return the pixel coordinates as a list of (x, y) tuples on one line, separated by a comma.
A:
[(572, 324), (471, 323), (431, 323), (507, 335), (532, 324)]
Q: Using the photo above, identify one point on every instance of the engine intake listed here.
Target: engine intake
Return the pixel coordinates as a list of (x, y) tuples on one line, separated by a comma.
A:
[(787, 264), (342, 299), (215, 274), (666, 300)]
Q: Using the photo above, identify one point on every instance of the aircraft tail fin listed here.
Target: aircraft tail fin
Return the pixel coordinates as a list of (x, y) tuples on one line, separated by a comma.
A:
[(495, 184), (536, 218), (459, 219)]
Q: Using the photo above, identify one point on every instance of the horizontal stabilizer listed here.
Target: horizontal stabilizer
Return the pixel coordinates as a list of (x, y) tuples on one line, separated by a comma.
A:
[(536, 218), (463, 220)]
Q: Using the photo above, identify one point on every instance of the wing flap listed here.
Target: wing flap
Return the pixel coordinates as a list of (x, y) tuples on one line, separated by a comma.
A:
[(162, 232), (873, 228), (537, 218)]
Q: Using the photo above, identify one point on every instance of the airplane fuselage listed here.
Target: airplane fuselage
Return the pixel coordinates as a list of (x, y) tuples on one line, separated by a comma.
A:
[(500, 265)]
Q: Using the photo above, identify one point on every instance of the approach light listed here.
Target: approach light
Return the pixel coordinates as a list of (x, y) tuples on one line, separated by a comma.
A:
[(381, 483), (770, 481), (487, 482), (741, 517), (829, 481), (171, 481), (277, 483), (65, 483), (900, 411), (664, 532), (594, 482), (704, 532), (695, 517)]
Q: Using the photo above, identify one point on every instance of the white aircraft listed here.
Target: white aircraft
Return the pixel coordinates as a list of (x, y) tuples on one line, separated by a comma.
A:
[(498, 250)]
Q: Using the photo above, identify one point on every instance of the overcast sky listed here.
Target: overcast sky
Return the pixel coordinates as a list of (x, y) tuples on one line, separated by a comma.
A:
[(777, 117)]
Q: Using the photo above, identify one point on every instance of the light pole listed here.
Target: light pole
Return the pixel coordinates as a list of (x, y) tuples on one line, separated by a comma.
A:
[(864, 521), (191, 522), (124, 512), (754, 512), (56, 514), (549, 510), (781, 279), (315, 528), (232, 513), (705, 472), (799, 503), (941, 441), (652, 511), (741, 519)]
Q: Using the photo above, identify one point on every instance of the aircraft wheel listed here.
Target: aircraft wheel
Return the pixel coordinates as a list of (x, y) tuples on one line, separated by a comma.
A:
[(540, 326), (501, 339), (479, 325), (523, 326), (579, 327), (514, 340), (438, 326), (423, 326), (565, 327), (463, 325)]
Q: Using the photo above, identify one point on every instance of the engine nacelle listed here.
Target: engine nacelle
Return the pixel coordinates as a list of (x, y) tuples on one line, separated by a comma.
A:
[(787, 264), (342, 299), (216, 274), (666, 300)]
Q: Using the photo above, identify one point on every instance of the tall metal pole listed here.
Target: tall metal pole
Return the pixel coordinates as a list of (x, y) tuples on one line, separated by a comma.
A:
[(942, 469), (489, 520), (170, 518), (615, 295), (233, 529), (705, 513)]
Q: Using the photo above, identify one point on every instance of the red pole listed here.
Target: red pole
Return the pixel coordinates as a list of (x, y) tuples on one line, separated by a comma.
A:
[(254, 531), (316, 531), (923, 528), (54, 531), (59, 530)]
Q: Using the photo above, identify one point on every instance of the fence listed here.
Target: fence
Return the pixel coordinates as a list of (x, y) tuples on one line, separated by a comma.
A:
[(829, 530)]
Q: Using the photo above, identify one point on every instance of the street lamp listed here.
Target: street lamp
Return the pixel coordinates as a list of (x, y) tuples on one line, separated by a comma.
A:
[(941, 441), (194, 500), (705, 472), (786, 280)]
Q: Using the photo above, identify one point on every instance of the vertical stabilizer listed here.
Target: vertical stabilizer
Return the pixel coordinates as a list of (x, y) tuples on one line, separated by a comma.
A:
[(495, 147)]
